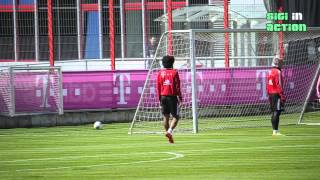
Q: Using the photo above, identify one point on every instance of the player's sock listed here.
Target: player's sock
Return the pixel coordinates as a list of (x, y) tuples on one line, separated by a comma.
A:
[(170, 131)]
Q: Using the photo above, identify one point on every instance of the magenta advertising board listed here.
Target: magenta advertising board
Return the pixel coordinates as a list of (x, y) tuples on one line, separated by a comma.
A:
[(31, 88), (100, 90), (122, 89)]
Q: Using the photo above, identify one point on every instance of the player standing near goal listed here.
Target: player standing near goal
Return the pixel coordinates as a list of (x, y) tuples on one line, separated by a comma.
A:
[(275, 92), (168, 87)]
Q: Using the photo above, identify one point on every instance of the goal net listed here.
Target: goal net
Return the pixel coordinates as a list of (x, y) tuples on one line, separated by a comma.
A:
[(30, 90), (216, 96)]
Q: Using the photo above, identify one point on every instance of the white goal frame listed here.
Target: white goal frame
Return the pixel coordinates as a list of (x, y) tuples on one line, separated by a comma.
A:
[(192, 47), (12, 94)]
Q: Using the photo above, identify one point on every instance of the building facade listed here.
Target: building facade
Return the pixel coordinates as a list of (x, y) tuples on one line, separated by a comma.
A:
[(81, 27)]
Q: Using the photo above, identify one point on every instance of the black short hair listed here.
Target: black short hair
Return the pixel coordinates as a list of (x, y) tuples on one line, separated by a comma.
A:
[(167, 61)]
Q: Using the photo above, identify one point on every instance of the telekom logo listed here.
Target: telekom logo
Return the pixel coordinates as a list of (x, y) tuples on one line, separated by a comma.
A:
[(44, 92), (121, 82)]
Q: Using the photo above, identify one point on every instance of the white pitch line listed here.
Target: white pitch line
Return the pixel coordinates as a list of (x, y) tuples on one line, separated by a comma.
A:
[(44, 150), (311, 124), (256, 148), (77, 157), (175, 156), (58, 158), (225, 150), (74, 148)]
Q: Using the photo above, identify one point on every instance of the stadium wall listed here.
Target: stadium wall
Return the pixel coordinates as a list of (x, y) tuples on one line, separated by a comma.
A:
[(98, 90), (68, 118)]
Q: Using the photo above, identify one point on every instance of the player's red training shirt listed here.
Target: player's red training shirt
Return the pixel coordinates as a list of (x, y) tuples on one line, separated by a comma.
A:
[(168, 83), (274, 82)]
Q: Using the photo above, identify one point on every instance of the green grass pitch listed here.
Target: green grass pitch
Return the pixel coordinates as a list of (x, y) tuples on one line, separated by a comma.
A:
[(80, 152)]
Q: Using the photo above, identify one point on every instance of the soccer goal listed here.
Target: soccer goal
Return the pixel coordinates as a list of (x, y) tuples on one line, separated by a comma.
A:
[(30, 90), (219, 95)]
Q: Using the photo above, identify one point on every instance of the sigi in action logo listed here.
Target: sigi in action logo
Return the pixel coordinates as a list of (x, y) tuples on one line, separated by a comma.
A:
[(279, 26)]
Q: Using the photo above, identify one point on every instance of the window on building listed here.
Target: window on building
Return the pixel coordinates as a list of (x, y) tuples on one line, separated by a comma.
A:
[(6, 36)]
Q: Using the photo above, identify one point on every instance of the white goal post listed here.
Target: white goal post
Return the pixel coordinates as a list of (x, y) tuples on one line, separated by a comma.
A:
[(217, 97), (30, 90)]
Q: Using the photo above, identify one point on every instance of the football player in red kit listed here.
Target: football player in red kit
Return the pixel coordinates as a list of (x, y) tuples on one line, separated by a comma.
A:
[(275, 92), (168, 87)]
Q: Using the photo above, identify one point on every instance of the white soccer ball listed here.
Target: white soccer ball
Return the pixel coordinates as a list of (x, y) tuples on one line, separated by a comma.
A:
[(97, 125)]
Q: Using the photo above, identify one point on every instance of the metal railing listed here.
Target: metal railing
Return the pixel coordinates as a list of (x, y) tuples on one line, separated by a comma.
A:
[(129, 63)]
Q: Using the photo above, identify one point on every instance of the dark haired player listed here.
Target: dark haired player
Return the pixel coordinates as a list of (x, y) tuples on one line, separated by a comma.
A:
[(275, 92), (168, 87)]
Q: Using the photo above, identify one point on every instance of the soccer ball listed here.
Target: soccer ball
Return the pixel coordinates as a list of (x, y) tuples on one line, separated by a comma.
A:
[(97, 125)]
